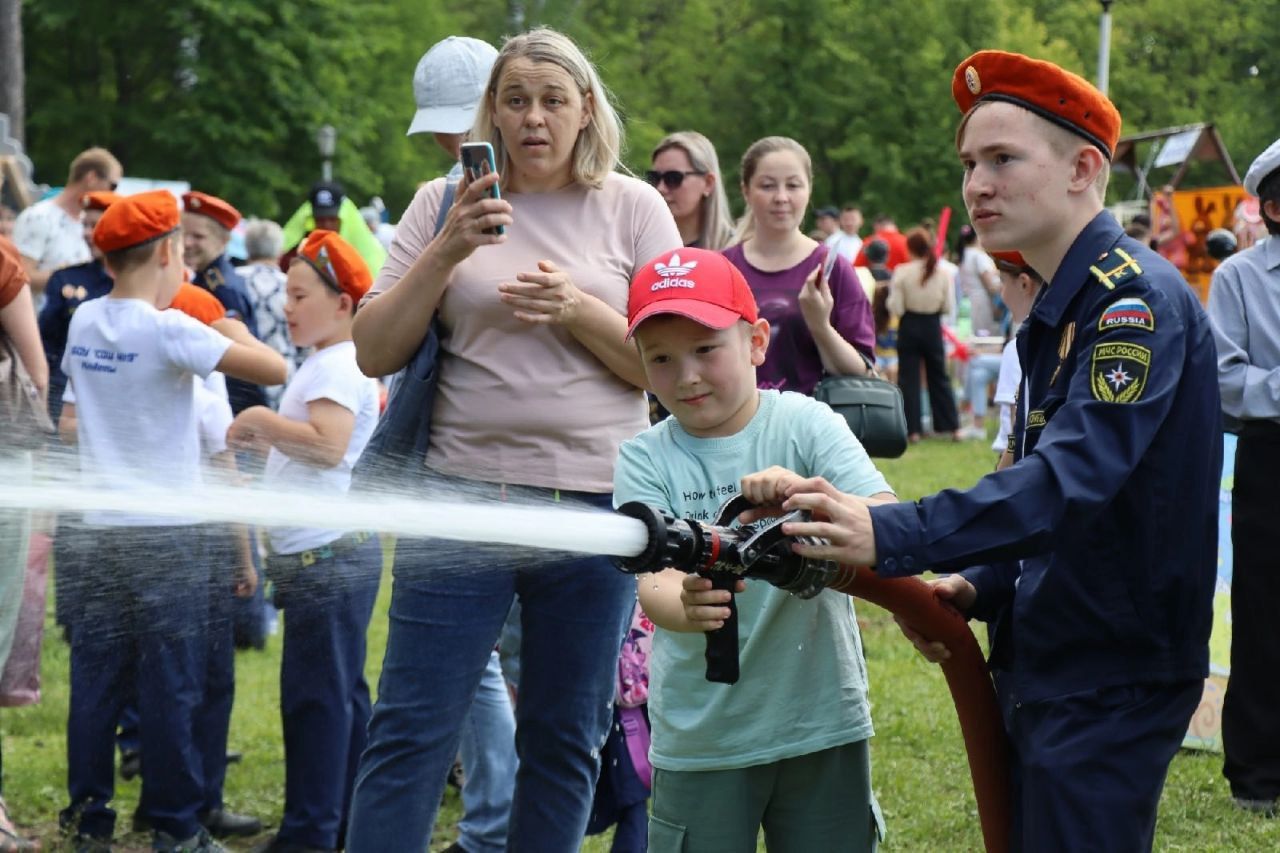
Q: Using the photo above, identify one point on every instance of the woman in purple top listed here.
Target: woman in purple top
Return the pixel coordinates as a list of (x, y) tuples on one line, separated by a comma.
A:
[(821, 323)]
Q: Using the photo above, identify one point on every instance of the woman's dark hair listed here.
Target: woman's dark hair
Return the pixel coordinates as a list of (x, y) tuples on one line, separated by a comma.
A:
[(919, 246), (880, 307)]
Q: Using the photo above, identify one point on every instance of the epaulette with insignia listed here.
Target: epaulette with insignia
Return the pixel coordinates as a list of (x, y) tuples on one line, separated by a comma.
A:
[(1115, 267)]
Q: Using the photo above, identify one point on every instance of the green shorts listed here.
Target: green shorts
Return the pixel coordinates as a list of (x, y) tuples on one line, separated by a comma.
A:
[(820, 801)]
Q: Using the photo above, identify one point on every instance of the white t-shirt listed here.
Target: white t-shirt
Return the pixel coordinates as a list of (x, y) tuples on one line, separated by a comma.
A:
[(213, 413), (327, 374), (1006, 393), (129, 368), (845, 245), (51, 237)]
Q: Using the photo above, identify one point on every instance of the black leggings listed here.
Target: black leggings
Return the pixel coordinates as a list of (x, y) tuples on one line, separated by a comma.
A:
[(1250, 721), (920, 339)]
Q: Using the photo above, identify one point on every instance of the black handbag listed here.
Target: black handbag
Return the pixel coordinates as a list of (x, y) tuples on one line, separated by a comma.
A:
[(872, 407), (396, 451)]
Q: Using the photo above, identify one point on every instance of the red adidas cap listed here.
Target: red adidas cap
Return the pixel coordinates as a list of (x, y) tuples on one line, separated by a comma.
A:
[(695, 283)]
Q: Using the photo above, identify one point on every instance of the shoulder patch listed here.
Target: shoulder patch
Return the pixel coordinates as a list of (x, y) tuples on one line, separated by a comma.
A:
[(1119, 371), (1115, 267), (1127, 313)]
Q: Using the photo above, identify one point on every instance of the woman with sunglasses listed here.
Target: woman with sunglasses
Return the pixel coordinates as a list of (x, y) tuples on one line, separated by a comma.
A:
[(686, 172), (818, 313)]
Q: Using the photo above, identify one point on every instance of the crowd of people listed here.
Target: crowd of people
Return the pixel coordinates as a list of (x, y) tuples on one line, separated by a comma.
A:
[(664, 353)]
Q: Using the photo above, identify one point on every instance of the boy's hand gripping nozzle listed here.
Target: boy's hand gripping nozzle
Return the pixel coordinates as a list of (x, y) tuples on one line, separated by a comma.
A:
[(724, 554)]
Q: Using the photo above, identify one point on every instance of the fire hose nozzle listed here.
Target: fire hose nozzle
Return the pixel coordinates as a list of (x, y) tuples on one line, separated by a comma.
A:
[(762, 552)]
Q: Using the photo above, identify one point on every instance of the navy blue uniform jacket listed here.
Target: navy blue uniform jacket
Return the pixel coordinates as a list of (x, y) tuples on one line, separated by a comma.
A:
[(1095, 554), (66, 290)]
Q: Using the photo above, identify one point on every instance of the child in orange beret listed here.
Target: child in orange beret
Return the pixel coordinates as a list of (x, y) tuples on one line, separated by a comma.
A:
[(325, 580), (143, 631)]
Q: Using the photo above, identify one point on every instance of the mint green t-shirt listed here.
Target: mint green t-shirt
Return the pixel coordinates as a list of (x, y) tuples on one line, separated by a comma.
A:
[(803, 686)]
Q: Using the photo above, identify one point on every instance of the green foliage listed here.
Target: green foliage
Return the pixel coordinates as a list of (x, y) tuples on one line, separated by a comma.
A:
[(228, 93)]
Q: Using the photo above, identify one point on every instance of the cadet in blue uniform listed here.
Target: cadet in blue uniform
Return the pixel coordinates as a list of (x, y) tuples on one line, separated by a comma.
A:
[(206, 229), (1093, 554), (65, 290)]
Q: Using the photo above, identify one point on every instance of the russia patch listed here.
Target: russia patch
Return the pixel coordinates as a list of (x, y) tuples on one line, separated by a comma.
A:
[(1119, 371), (1127, 313)]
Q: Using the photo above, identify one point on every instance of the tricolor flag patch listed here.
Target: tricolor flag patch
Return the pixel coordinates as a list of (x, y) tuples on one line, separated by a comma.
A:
[(1127, 313)]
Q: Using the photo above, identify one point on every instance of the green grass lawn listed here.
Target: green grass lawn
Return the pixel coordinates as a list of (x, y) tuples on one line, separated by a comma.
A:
[(919, 768)]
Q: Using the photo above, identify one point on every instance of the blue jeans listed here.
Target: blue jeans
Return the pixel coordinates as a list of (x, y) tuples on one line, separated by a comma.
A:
[(140, 634), (324, 698), (443, 628), (488, 751), (984, 369)]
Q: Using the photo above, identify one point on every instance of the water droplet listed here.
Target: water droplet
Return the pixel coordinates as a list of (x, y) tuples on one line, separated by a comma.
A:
[(800, 647)]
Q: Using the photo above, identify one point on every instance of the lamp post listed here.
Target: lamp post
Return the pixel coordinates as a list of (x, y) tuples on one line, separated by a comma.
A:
[(1104, 46), (327, 141)]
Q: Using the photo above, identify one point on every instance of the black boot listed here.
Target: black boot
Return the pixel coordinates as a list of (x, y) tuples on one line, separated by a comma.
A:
[(224, 824)]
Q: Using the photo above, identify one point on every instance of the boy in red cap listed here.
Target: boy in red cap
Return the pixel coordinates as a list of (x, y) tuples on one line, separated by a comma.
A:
[(325, 580), (1094, 554), (805, 763), (207, 222), (130, 366)]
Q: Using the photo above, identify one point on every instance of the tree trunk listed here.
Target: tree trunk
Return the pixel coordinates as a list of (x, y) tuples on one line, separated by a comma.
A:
[(12, 76)]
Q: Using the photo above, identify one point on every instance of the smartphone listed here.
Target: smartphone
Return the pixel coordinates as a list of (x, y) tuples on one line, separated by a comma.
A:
[(478, 161), (829, 265)]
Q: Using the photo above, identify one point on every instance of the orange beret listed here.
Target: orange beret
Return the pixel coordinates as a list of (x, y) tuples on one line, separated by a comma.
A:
[(199, 303), (213, 207), (1068, 100), (99, 200), (337, 261), (136, 219), (1013, 259)]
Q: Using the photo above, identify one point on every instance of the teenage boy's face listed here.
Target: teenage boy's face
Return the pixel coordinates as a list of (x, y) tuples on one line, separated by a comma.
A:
[(1016, 186), (203, 240), (311, 308), (705, 377)]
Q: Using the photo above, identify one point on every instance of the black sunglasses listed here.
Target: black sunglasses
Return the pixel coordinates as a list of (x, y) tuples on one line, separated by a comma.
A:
[(673, 179)]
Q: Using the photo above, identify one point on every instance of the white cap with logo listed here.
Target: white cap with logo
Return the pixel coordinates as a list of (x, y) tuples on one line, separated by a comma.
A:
[(1268, 161), (448, 84)]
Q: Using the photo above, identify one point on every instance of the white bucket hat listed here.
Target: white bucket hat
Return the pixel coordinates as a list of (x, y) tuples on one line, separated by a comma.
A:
[(449, 83)]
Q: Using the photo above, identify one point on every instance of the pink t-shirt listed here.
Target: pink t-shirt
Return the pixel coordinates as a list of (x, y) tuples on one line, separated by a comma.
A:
[(526, 404)]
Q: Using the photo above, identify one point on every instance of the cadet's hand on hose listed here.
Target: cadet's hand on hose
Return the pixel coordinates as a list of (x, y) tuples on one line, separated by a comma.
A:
[(705, 608), (955, 592), (843, 520)]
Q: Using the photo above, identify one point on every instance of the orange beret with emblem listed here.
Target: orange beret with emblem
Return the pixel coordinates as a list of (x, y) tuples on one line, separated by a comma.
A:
[(337, 262), (199, 303), (136, 219), (99, 200), (1068, 100), (213, 207)]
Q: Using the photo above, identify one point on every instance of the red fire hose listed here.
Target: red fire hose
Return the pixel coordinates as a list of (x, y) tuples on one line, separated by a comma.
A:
[(912, 600)]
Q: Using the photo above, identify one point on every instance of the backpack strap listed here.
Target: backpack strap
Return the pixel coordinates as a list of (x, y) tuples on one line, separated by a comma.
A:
[(450, 191)]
